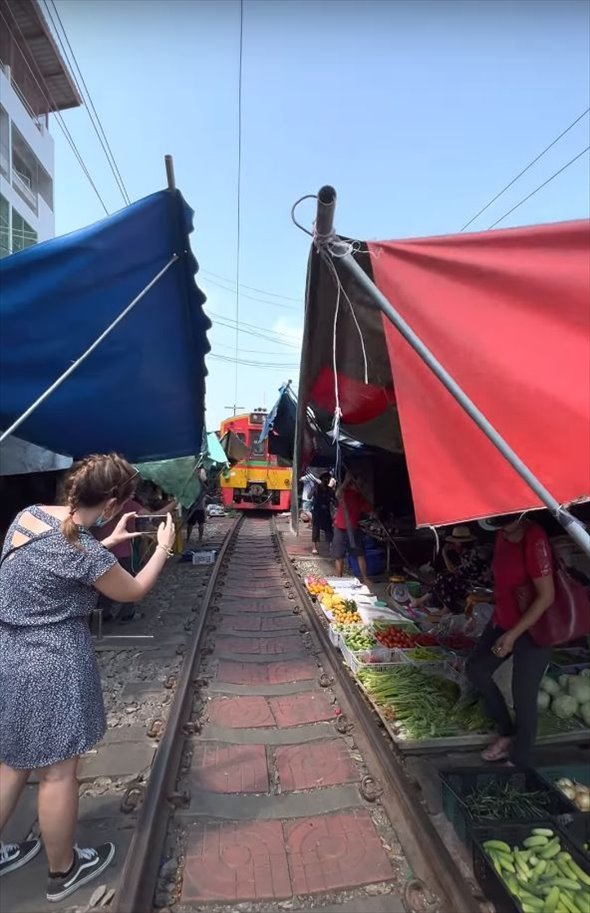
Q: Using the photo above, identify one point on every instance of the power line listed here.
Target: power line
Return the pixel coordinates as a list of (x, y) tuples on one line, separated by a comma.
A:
[(52, 105), (90, 107), (252, 288), (239, 193), (256, 364), (251, 330), (524, 170), (540, 187), (277, 304)]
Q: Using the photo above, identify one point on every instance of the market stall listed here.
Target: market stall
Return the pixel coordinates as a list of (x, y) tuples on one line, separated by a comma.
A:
[(410, 662)]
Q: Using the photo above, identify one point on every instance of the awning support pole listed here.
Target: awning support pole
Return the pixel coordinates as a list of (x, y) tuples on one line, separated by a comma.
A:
[(332, 246), (76, 364)]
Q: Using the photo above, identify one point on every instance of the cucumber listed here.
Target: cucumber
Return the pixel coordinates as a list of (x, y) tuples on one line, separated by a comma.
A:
[(567, 903), (540, 868), (498, 845), (567, 884), (551, 850), (552, 900), (582, 901), (580, 874), (535, 840), (542, 832), (566, 869)]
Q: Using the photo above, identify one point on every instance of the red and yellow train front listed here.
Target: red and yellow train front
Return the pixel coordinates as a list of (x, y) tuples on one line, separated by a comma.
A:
[(258, 482)]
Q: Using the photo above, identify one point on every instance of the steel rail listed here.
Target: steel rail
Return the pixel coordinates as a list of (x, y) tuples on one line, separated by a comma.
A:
[(140, 870), (423, 846)]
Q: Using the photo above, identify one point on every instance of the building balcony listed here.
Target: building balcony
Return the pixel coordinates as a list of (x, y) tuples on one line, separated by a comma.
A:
[(22, 185)]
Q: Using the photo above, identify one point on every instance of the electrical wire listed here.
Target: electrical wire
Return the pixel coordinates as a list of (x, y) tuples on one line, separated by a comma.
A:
[(255, 364), (90, 107), (252, 288), (277, 304), (51, 103), (239, 194), (524, 170), (540, 187), (251, 330)]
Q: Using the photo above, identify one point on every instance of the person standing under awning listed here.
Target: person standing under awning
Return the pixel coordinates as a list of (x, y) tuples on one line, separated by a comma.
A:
[(347, 533)]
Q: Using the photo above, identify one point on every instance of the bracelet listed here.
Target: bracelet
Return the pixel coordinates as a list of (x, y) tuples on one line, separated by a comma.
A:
[(169, 552)]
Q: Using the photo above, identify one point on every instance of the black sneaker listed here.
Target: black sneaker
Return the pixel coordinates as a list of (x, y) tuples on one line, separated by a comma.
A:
[(14, 855), (88, 864)]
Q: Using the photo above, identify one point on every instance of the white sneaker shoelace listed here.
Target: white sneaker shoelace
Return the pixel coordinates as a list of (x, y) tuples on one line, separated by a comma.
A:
[(7, 851), (86, 854)]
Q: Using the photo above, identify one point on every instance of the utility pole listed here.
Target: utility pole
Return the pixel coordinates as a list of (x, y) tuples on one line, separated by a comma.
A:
[(234, 409)]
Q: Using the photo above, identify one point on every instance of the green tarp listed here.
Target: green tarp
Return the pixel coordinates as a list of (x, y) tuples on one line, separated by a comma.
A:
[(179, 477)]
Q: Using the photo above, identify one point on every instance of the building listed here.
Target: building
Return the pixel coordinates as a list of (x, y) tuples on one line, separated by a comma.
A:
[(34, 83)]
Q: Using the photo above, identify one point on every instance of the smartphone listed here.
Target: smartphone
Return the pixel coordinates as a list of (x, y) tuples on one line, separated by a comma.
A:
[(149, 524)]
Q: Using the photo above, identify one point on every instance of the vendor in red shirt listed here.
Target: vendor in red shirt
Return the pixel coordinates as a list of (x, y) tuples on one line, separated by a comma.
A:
[(524, 590), (347, 534)]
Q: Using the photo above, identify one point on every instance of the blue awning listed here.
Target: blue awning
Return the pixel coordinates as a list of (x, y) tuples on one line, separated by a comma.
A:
[(142, 391)]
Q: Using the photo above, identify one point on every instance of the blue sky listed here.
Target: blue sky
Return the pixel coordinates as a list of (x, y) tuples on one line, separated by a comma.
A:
[(418, 112)]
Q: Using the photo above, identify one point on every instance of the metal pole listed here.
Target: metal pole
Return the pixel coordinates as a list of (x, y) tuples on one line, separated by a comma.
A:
[(325, 212), (170, 172), (85, 355), (343, 256)]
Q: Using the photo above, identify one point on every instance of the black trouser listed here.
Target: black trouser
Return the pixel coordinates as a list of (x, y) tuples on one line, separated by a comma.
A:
[(109, 606), (530, 662), (321, 521)]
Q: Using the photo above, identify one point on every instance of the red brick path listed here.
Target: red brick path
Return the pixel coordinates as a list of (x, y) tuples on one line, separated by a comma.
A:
[(230, 861)]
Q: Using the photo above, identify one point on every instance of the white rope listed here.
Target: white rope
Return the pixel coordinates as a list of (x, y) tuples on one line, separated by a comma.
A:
[(341, 288), (76, 364)]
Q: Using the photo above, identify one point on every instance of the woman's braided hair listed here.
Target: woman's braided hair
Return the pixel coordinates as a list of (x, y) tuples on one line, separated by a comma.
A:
[(91, 481)]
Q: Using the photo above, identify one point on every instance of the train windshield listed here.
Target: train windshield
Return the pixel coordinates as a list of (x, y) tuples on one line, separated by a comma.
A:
[(257, 448)]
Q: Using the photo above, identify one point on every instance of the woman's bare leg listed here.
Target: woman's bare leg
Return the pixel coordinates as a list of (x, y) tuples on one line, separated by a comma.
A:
[(58, 812), (12, 783)]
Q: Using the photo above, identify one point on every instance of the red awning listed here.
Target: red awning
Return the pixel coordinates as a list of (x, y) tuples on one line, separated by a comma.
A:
[(507, 313)]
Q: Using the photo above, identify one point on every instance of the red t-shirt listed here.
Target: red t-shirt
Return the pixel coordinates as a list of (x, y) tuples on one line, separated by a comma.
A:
[(356, 505), (515, 565)]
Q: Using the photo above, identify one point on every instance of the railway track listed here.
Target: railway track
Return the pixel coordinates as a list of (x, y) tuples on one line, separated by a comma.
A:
[(272, 788)]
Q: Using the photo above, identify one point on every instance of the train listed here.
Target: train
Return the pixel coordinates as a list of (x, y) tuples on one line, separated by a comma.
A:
[(259, 480)]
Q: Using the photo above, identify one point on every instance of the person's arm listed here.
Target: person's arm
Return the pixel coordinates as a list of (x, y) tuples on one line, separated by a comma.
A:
[(544, 597), (119, 586), (539, 566)]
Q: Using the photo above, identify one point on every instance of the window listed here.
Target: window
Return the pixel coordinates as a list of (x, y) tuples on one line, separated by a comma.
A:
[(256, 449), (29, 178), (4, 143), (4, 227), (23, 235)]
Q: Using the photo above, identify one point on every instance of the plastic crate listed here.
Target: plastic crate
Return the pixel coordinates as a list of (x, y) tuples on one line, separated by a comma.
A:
[(458, 784), (490, 882), (580, 773), (381, 658), (335, 637), (566, 660)]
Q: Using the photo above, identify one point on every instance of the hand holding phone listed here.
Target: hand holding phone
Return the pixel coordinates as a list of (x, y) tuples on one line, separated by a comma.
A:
[(148, 524)]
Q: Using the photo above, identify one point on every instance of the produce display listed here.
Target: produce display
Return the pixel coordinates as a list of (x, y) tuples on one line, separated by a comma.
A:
[(540, 874), (568, 696), (357, 637), (459, 643), (498, 801), (575, 792), (422, 706), (424, 655), (402, 637)]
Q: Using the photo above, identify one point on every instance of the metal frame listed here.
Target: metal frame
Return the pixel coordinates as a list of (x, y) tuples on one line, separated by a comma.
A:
[(329, 245)]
